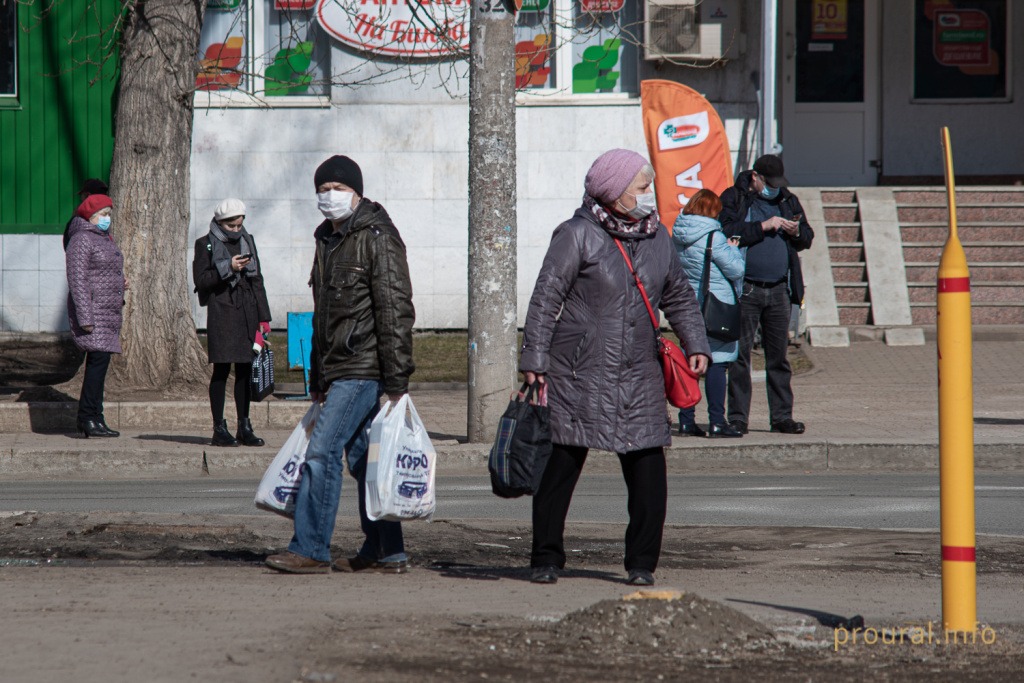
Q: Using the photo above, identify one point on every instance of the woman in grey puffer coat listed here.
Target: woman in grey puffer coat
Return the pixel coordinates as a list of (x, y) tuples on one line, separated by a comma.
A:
[(96, 285), (588, 335)]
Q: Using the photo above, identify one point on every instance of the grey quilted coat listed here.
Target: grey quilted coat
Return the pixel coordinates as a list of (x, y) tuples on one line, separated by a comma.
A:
[(605, 384), (95, 270)]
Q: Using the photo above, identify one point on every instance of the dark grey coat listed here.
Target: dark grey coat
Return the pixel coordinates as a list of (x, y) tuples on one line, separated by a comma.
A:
[(234, 313), (605, 384)]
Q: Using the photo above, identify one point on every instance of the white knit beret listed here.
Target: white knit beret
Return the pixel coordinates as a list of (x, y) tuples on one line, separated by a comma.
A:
[(229, 208)]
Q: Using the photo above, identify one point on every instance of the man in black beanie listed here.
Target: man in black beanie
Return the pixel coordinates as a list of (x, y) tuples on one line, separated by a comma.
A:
[(362, 348)]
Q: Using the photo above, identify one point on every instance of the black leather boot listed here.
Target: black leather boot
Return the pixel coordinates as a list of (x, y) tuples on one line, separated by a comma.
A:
[(221, 435), (245, 434), (92, 428), (107, 431)]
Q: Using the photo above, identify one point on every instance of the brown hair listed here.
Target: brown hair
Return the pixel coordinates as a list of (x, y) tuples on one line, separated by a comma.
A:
[(704, 203)]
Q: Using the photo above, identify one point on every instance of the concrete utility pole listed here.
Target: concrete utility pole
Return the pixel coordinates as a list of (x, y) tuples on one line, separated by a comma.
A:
[(492, 217)]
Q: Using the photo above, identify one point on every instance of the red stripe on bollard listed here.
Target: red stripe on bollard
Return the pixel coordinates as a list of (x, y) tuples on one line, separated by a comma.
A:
[(954, 553), (954, 284)]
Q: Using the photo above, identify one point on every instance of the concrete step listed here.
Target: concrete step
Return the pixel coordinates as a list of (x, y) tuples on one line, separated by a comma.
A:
[(931, 252), (837, 196), (840, 213), (978, 231), (981, 313), (969, 212), (849, 272), (997, 271), (981, 292), (846, 252), (854, 314), (852, 292), (843, 232), (963, 196)]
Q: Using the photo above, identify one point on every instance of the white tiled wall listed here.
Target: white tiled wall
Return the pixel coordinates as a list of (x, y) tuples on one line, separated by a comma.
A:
[(415, 162), (33, 287)]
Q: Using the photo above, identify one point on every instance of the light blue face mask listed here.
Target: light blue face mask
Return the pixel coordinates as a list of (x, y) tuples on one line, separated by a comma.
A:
[(769, 192), (103, 223)]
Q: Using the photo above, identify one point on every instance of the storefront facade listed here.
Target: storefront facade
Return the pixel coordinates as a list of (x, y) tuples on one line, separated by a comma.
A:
[(861, 88)]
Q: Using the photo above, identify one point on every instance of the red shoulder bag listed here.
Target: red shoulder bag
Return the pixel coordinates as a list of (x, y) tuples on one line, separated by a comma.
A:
[(681, 387)]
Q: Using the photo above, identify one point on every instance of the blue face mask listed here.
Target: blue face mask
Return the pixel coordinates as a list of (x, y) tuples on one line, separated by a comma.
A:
[(769, 192), (103, 223)]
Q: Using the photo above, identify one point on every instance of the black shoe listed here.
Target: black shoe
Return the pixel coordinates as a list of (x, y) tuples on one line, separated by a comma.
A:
[(109, 432), (245, 434), (788, 426), (544, 575), (95, 429), (221, 435), (740, 427), (723, 430), (690, 430), (640, 577)]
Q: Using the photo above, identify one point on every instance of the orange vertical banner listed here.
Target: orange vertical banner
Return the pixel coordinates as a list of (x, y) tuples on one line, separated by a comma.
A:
[(687, 145)]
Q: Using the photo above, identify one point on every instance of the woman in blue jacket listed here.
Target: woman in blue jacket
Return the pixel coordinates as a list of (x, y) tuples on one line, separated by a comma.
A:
[(690, 234)]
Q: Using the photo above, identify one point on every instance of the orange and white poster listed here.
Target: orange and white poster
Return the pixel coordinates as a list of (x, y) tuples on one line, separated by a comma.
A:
[(687, 145)]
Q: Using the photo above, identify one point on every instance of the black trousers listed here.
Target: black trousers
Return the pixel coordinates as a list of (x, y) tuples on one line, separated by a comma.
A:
[(219, 384), (770, 308), (90, 401), (646, 482)]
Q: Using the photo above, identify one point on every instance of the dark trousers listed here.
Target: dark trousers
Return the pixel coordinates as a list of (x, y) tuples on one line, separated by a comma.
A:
[(219, 384), (90, 402), (646, 482), (714, 393), (770, 308)]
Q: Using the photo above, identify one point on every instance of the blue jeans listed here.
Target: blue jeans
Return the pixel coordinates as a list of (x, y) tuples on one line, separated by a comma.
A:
[(342, 429), (714, 392)]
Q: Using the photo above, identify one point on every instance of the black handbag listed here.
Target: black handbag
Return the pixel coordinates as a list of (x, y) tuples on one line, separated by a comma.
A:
[(721, 320), (261, 379), (522, 447)]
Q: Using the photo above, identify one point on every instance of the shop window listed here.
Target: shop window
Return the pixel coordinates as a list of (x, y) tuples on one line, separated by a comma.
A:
[(961, 51), (262, 50), (8, 49), (578, 47)]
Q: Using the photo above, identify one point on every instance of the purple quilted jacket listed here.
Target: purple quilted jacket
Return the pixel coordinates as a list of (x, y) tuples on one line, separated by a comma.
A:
[(95, 268)]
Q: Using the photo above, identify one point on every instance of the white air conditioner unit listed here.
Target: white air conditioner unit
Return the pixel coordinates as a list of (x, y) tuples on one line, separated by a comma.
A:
[(691, 29)]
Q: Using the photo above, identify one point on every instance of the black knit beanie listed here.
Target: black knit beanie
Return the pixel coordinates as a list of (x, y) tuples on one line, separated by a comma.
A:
[(339, 169)]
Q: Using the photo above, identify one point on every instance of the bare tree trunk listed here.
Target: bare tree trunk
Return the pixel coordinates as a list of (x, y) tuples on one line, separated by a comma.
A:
[(492, 218), (149, 184)]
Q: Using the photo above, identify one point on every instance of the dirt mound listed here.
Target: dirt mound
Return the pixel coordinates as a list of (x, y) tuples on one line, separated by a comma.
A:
[(687, 623)]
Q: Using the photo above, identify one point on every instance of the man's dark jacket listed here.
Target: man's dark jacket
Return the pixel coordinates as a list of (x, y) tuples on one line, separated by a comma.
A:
[(362, 304), (738, 199)]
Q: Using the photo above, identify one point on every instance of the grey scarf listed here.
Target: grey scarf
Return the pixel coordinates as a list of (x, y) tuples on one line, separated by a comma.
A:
[(221, 257)]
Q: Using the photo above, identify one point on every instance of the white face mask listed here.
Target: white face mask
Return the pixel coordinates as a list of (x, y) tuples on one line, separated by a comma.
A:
[(645, 204), (335, 204)]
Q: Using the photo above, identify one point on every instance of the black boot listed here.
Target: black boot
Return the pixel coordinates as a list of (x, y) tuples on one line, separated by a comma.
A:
[(92, 428), (107, 431), (221, 435), (245, 434)]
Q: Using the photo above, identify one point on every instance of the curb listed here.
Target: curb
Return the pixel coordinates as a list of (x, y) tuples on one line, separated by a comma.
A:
[(187, 460)]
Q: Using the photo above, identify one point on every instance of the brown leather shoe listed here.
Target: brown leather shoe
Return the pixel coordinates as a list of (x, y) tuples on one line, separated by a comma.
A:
[(360, 563), (297, 564)]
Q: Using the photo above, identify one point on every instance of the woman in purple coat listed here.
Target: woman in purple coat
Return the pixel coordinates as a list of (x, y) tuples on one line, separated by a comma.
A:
[(96, 285)]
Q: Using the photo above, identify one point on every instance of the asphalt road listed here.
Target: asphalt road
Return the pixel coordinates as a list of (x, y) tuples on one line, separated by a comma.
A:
[(884, 501)]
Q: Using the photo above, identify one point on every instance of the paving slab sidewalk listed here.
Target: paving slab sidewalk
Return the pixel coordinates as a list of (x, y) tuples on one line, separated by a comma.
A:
[(869, 407)]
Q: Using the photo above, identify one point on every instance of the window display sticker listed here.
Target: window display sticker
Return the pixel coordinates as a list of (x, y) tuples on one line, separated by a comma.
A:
[(961, 37), (601, 6), (828, 20)]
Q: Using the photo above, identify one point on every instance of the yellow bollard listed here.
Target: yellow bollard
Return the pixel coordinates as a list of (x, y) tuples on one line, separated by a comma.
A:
[(956, 424)]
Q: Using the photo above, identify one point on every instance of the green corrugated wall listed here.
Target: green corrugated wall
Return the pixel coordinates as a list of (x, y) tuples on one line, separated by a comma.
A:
[(60, 131)]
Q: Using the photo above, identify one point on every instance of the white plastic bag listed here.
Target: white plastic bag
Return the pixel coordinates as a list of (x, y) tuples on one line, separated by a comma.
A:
[(280, 484), (399, 466)]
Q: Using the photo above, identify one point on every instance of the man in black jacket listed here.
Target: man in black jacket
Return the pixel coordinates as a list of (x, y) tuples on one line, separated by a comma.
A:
[(770, 222), (362, 347)]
